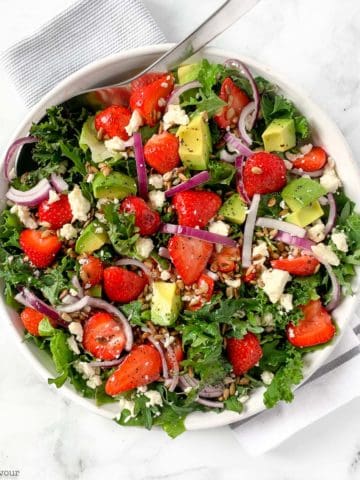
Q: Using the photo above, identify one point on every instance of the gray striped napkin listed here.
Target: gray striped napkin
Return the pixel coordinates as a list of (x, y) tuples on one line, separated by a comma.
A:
[(86, 31)]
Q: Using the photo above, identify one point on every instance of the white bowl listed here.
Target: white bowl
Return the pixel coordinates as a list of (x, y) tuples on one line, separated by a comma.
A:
[(326, 133)]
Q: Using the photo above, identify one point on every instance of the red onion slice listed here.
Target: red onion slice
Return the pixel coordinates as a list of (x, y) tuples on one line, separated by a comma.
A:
[(211, 391), (335, 285), (162, 355), (236, 143), (248, 110), (107, 363), (135, 263), (58, 183), (140, 165), (174, 98), (332, 214), (32, 197), (29, 299), (164, 253), (249, 231), (76, 283), (197, 233), (9, 162), (314, 174), (210, 403), (75, 307), (193, 182), (239, 164), (281, 225), (293, 240), (175, 370)]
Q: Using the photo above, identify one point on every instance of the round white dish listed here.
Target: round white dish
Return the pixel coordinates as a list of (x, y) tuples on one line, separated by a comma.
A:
[(116, 67)]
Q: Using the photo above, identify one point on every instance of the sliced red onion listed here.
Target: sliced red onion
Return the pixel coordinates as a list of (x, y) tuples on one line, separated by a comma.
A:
[(107, 363), (287, 227), (164, 252), (193, 182), (75, 307), (9, 162), (237, 144), (174, 98), (335, 285), (227, 157), (211, 391), (32, 197), (162, 355), (58, 183), (248, 110), (314, 174), (249, 231), (185, 382), (69, 299), (323, 201), (239, 164), (197, 233), (210, 403), (29, 299), (233, 63), (140, 165), (293, 240), (332, 214), (212, 275), (175, 370), (76, 283), (135, 263)]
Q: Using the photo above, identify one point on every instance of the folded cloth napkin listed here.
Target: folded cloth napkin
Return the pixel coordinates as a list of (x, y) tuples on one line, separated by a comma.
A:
[(84, 32)]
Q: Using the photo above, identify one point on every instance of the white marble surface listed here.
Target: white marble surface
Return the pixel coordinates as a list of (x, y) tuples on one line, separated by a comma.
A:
[(317, 46)]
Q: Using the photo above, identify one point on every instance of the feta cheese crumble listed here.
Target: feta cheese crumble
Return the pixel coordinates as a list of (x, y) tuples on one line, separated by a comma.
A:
[(157, 198), (89, 373), (144, 246), (267, 377), (53, 197), (274, 283), (220, 228), (316, 232), (286, 301), (339, 239), (156, 180), (72, 344), (325, 254), (24, 216), (175, 115), (80, 206), (154, 398), (260, 253), (127, 405), (329, 180), (76, 329), (67, 231), (134, 123), (115, 145)]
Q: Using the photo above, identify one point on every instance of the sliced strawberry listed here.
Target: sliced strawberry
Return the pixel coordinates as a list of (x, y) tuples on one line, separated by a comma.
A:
[(112, 121), (145, 80), (205, 285), (195, 208), (31, 319), (314, 160), (236, 100), (264, 173), (140, 367), (162, 152), (103, 336), (225, 261), (178, 353), (243, 353), (147, 220), (56, 214), (303, 266), (190, 256), (91, 271), (315, 328), (150, 100), (123, 285), (40, 247)]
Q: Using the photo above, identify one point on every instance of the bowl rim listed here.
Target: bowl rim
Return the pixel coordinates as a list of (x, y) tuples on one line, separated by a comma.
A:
[(197, 420)]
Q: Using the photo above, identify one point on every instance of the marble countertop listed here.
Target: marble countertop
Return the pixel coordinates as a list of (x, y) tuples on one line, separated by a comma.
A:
[(315, 45)]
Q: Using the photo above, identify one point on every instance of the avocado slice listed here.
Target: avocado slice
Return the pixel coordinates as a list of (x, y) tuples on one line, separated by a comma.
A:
[(95, 291), (306, 215), (188, 73), (116, 185), (91, 238), (279, 136), (234, 209), (88, 140), (195, 143), (165, 303), (301, 192)]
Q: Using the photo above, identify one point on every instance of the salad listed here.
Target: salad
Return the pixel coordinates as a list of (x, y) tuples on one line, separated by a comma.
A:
[(177, 251)]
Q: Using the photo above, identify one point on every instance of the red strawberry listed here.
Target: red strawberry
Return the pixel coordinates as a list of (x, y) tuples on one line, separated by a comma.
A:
[(123, 285), (195, 208), (190, 256), (162, 152), (177, 352), (112, 121), (264, 173), (140, 367), (103, 336), (40, 247), (206, 285), (315, 328), (243, 353), (91, 271), (57, 213), (31, 319), (314, 160), (145, 80), (236, 100), (147, 220), (303, 266), (225, 261)]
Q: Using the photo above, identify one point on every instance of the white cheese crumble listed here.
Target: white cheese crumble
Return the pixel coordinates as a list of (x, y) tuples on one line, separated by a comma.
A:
[(90, 177), (156, 180), (325, 254), (144, 246), (168, 340), (80, 206), (141, 389), (329, 180), (67, 231), (86, 370), (99, 230), (76, 329), (134, 124), (53, 197), (157, 198), (235, 283), (175, 115), (340, 241), (274, 283), (73, 345), (24, 216), (154, 398), (94, 382), (115, 145), (267, 377), (165, 275), (261, 252), (220, 228), (316, 232), (127, 405), (286, 301)]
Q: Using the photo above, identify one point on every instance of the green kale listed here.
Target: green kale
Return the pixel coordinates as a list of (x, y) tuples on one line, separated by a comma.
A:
[(209, 75), (10, 227), (54, 280), (233, 403), (122, 231), (221, 173), (211, 103), (135, 313), (62, 357)]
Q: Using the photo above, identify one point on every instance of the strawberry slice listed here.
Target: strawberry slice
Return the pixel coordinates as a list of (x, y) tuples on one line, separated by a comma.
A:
[(315, 328), (236, 100), (140, 367), (145, 80), (206, 285), (40, 247), (190, 256), (91, 271), (243, 353), (225, 261), (314, 160), (103, 336), (264, 173), (123, 285), (31, 319), (56, 214), (147, 220), (162, 152), (302, 266), (112, 121), (195, 208)]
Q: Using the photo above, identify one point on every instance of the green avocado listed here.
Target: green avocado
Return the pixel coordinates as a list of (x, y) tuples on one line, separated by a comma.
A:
[(306, 215), (88, 140), (279, 136), (95, 291), (116, 185), (234, 209), (91, 238), (195, 143), (165, 303), (188, 73), (302, 192)]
